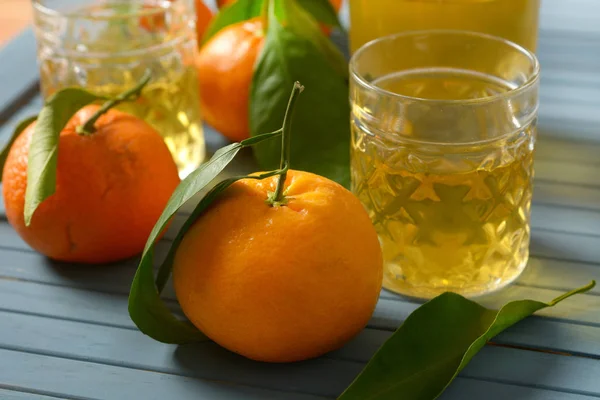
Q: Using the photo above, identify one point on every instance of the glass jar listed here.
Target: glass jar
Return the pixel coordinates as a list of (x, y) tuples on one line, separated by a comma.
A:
[(515, 20), (443, 133), (107, 46)]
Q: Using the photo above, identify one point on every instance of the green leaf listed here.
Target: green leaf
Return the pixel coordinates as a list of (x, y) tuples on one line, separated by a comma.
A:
[(43, 150), (20, 128), (238, 11), (321, 128), (300, 22), (322, 11), (434, 344), (146, 308)]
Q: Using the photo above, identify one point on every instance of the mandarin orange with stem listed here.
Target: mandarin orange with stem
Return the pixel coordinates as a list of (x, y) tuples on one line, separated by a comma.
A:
[(280, 269), (111, 187)]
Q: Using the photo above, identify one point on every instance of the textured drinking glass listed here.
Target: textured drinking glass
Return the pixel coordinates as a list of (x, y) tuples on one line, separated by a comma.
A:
[(515, 20), (443, 133), (106, 47)]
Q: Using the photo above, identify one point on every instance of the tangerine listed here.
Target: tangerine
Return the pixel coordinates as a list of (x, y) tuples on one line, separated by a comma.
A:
[(280, 283), (225, 68), (157, 22), (203, 17), (111, 187)]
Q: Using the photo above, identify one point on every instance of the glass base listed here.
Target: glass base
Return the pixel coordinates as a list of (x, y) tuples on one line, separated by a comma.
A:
[(424, 292)]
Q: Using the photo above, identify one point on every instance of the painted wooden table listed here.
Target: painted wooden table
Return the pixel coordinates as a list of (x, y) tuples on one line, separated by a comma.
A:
[(65, 331)]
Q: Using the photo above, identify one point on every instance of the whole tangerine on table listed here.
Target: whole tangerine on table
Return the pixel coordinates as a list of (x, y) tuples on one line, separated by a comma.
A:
[(111, 187), (280, 269)]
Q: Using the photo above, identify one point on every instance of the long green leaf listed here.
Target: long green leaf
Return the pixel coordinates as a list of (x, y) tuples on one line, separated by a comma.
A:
[(238, 11), (146, 308), (321, 140), (43, 150), (434, 344), (20, 128)]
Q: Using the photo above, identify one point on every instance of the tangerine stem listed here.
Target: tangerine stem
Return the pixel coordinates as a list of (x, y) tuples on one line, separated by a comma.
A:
[(130, 95), (286, 136)]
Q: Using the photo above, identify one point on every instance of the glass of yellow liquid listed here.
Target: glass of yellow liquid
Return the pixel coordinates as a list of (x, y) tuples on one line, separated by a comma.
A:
[(515, 20), (107, 46), (443, 135)]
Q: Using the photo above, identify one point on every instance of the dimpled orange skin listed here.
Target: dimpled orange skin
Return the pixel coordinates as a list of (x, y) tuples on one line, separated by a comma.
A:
[(111, 187), (225, 67), (285, 283)]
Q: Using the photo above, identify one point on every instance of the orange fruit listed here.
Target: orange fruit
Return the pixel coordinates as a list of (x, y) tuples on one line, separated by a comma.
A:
[(203, 17), (280, 283), (225, 67), (111, 187), (157, 22)]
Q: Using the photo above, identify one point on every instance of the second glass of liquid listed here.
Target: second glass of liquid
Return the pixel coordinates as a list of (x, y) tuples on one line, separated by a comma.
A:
[(442, 158), (107, 46)]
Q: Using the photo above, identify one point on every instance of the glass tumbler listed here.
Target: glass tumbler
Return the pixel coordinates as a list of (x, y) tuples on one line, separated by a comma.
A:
[(106, 46), (515, 20), (443, 134)]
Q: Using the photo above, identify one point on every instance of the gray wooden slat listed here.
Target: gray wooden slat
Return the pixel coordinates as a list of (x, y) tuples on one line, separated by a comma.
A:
[(58, 376), (542, 370), (570, 16), (577, 122), (6, 394), (569, 196), (558, 275), (19, 72), (552, 149), (573, 174), (476, 390), (552, 75), (569, 220), (563, 246)]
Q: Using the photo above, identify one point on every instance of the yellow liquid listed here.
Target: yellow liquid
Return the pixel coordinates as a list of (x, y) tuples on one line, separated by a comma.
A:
[(447, 220), (109, 55), (516, 20), (170, 105)]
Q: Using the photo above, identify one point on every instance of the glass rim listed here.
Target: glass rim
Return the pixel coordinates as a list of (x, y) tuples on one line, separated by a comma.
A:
[(145, 12), (531, 80), (106, 56)]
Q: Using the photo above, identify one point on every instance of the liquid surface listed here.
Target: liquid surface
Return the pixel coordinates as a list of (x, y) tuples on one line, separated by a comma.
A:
[(448, 219), (442, 84), (516, 20), (102, 58)]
